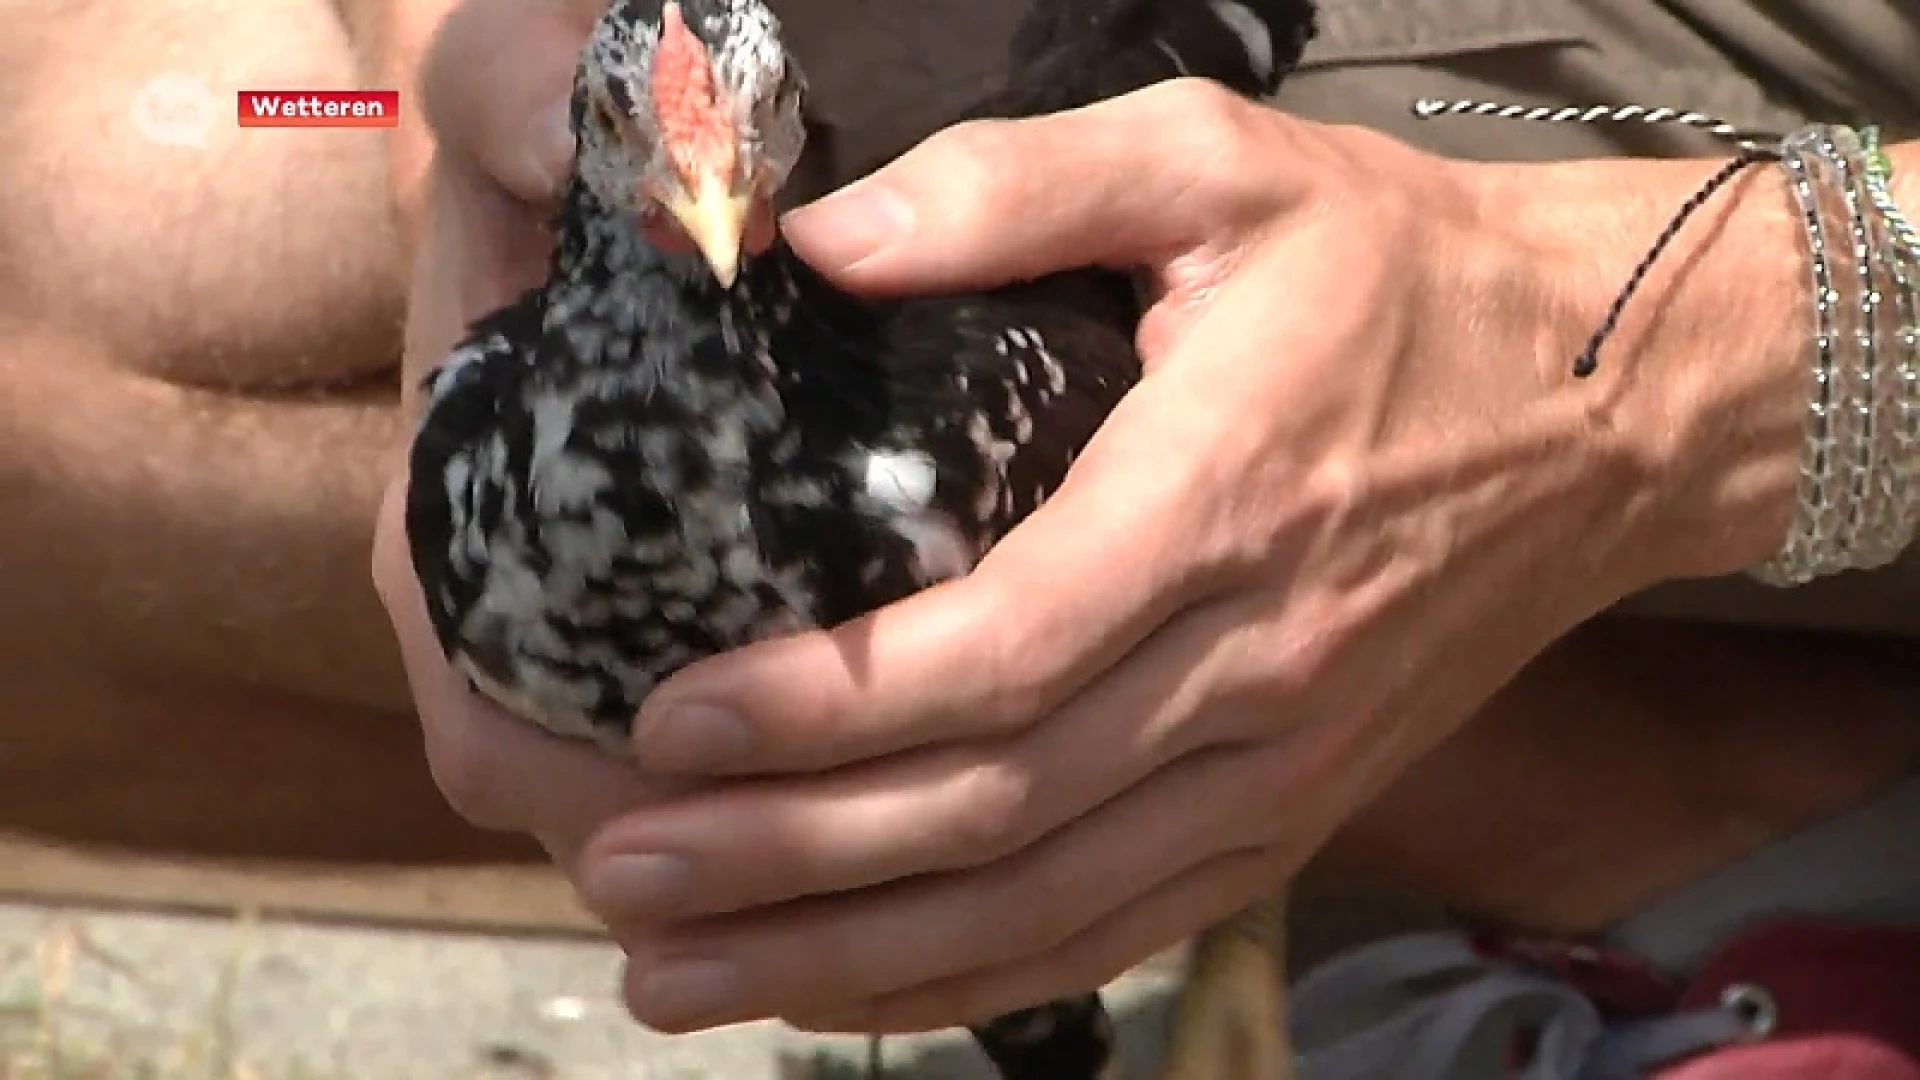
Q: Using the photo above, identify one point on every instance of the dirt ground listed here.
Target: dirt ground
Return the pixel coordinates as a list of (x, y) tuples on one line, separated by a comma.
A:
[(202, 996), (269, 971)]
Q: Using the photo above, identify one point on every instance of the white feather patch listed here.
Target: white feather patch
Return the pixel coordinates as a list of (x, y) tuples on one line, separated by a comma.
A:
[(902, 480)]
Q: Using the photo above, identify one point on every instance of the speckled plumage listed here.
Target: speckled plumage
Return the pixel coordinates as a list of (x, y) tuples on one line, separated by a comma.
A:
[(634, 467)]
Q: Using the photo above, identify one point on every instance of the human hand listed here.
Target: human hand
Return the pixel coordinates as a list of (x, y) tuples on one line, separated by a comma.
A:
[(1356, 492), (502, 152)]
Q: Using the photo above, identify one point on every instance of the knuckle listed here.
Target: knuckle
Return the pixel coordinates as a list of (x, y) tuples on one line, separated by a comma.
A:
[(1217, 137), (997, 689), (1245, 694), (970, 144), (1293, 662), (1014, 695), (1210, 488), (1027, 662), (794, 857), (1207, 114), (1037, 912), (1251, 529), (970, 160), (995, 813), (1191, 98)]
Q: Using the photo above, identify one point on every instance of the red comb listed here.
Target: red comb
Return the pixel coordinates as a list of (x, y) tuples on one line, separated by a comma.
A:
[(693, 125)]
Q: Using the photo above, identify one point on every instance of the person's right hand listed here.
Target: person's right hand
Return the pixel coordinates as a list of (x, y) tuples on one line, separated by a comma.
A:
[(494, 87)]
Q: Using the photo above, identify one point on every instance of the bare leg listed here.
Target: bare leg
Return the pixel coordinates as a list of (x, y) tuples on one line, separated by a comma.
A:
[(1632, 758)]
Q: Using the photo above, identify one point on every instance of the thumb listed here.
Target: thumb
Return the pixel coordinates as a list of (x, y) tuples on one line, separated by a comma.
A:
[(495, 87), (1131, 181)]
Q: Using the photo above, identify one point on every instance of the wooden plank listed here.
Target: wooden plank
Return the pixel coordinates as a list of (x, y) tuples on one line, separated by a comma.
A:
[(522, 899)]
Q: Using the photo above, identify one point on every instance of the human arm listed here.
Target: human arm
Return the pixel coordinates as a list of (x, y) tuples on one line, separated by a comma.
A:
[(1723, 330), (1391, 494)]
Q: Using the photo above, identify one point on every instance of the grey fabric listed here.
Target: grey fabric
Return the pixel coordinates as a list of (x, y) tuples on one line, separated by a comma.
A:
[(1852, 60), (1375, 57), (885, 70), (1427, 1007), (1863, 865)]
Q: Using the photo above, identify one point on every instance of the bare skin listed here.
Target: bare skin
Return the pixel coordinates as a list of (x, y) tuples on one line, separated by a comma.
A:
[(197, 356), (195, 637), (1668, 749)]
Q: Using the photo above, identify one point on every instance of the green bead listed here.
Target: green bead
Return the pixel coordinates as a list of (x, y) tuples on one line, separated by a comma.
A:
[(1877, 159)]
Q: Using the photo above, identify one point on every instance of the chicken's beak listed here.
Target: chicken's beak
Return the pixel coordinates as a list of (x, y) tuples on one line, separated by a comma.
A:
[(715, 219)]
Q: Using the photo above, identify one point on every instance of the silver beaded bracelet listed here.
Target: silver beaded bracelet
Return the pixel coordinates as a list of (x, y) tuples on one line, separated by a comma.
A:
[(1856, 507), (1858, 500)]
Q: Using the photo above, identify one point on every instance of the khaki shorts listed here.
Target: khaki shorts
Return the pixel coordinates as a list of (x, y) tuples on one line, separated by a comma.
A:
[(886, 71)]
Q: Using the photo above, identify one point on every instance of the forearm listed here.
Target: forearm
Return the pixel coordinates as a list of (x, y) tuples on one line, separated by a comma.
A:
[(1707, 375)]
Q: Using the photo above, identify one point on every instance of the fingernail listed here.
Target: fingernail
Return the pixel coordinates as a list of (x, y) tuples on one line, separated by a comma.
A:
[(680, 991), (850, 226), (550, 144), (640, 886), (693, 739)]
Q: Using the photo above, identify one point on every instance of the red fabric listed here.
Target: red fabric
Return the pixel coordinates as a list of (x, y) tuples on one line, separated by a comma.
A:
[(1611, 979), (1847, 998), (1823, 1057)]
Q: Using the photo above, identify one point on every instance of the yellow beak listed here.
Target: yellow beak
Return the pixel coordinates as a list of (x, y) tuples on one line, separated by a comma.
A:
[(715, 219)]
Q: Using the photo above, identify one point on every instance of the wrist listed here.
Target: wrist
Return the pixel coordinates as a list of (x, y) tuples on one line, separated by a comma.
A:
[(1703, 384)]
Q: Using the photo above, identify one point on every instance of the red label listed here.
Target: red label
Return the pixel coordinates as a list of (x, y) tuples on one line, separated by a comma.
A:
[(320, 108)]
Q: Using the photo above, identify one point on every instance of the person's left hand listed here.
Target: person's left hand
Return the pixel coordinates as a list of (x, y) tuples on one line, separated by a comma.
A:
[(1356, 492)]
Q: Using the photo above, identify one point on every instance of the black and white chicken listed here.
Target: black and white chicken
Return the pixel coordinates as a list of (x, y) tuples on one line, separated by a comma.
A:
[(687, 440)]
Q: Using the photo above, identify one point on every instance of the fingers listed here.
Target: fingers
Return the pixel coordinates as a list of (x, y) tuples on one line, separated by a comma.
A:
[(1161, 918), (496, 770), (834, 951), (1125, 182), (1060, 599), (496, 84), (757, 844)]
